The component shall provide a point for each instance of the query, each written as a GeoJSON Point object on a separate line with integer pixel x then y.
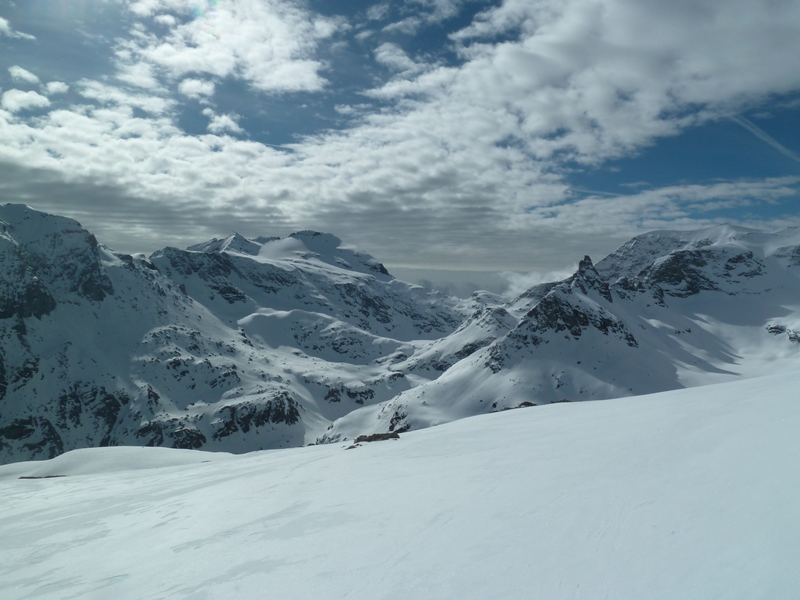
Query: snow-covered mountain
{"type": "Point", "coordinates": [242, 344]}
{"type": "Point", "coordinates": [666, 310]}
{"type": "Point", "coordinates": [232, 345]}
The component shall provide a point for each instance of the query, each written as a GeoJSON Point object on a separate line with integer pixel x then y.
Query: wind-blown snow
{"type": "Point", "coordinates": [685, 494]}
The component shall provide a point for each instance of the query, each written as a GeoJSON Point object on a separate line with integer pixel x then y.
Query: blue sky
{"type": "Point", "coordinates": [436, 134]}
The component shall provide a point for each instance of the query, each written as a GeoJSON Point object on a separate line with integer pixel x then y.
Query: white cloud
{"type": "Point", "coordinates": [580, 81]}
{"type": "Point", "coordinates": [138, 74]}
{"type": "Point", "coordinates": [409, 26]}
{"type": "Point", "coordinates": [143, 8]}
{"type": "Point", "coordinates": [17, 100]}
{"type": "Point", "coordinates": [57, 87]}
{"type": "Point", "coordinates": [363, 36]}
{"type": "Point", "coordinates": [8, 31]}
{"type": "Point", "coordinates": [108, 94]}
{"type": "Point", "coordinates": [386, 187]}
{"type": "Point", "coordinates": [20, 74]}
{"type": "Point", "coordinates": [394, 57]}
{"type": "Point", "coordinates": [425, 12]}
{"type": "Point", "coordinates": [378, 12]}
{"type": "Point", "coordinates": [167, 20]}
{"type": "Point", "coordinates": [221, 123]}
{"type": "Point", "coordinates": [463, 163]}
{"type": "Point", "coordinates": [196, 88]}
{"type": "Point", "coordinates": [680, 206]}
{"type": "Point", "coordinates": [269, 43]}
{"type": "Point", "coordinates": [350, 110]}
{"type": "Point", "coordinates": [517, 283]}
{"type": "Point", "coordinates": [437, 10]}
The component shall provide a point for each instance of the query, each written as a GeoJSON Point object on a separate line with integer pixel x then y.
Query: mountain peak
{"type": "Point", "coordinates": [233, 243]}
{"type": "Point", "coordinates": [587, 278]}
{"type": "Point", "coordinates": [43, 255]}
{"type": "Point", "coordinates": [317, 240]}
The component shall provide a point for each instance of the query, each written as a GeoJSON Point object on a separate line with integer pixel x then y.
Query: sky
{"type": "Point", "coordinates": [437, 135]}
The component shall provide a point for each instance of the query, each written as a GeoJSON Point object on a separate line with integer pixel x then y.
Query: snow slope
{"type": "Point", "coordinates": [688, 494]}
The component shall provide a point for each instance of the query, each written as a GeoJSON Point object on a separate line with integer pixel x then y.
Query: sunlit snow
{"type": "Point", "coordinates": [685, 494]}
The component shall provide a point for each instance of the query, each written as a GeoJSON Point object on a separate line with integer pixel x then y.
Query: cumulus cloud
{"type": "Point", "coordinates": [222, 123]}
{"type": "Point", "coordinates": [579, 81]}
{"type": "Point", "coordinates": [394, 57]}
{"type": "Point", "coordinates": [409, 26]}
{"type": "Point", "coordinates": [7, 31]}
{"type": "Point", "coordinates": [350, 110]}
{"type": "Point", "coordinates": [5, 27]}
{"type": "Point", "coordinates": [137, 74]}
{"type": "Point", "coordinates": [363, 36]}
{"type": "Point", "coordinates": [20, 74]}
{"type": "Point", "coordinates": [718, 55]}
{"type": "Point", "coordinates": [57, 87]}
{"type": "Point", "coordinates": [109, 94]}
{"type": "Point", "coordinates": [196, 88]}
{"type": "Point", "coordinates": [378, 12]}
{"type": "Point", "coordinates": [406, 200]}
{"type": "Point", "coordinates": [167, 20]}
{"type": "Point", "coordinates": [271, 44]}
{"type": "Point", "coordinates": [17, 100]}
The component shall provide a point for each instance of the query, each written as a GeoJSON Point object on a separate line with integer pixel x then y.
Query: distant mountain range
{"type": "Point", "coordinates": [244, 344]}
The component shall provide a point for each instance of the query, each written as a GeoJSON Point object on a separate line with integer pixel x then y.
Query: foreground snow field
{"type": "Point", "coordinates": [693, 493]}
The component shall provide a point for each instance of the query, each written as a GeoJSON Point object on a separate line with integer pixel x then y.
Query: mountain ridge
{"type": "Point", "coordinates": [240, 344]}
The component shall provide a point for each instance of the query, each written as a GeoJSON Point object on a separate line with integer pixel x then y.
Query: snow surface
{"type": "Point", "coordinates": [692, 493]}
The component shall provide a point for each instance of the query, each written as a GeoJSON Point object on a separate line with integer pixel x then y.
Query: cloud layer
{"type": "Point", "coordinates": [461, 163]}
